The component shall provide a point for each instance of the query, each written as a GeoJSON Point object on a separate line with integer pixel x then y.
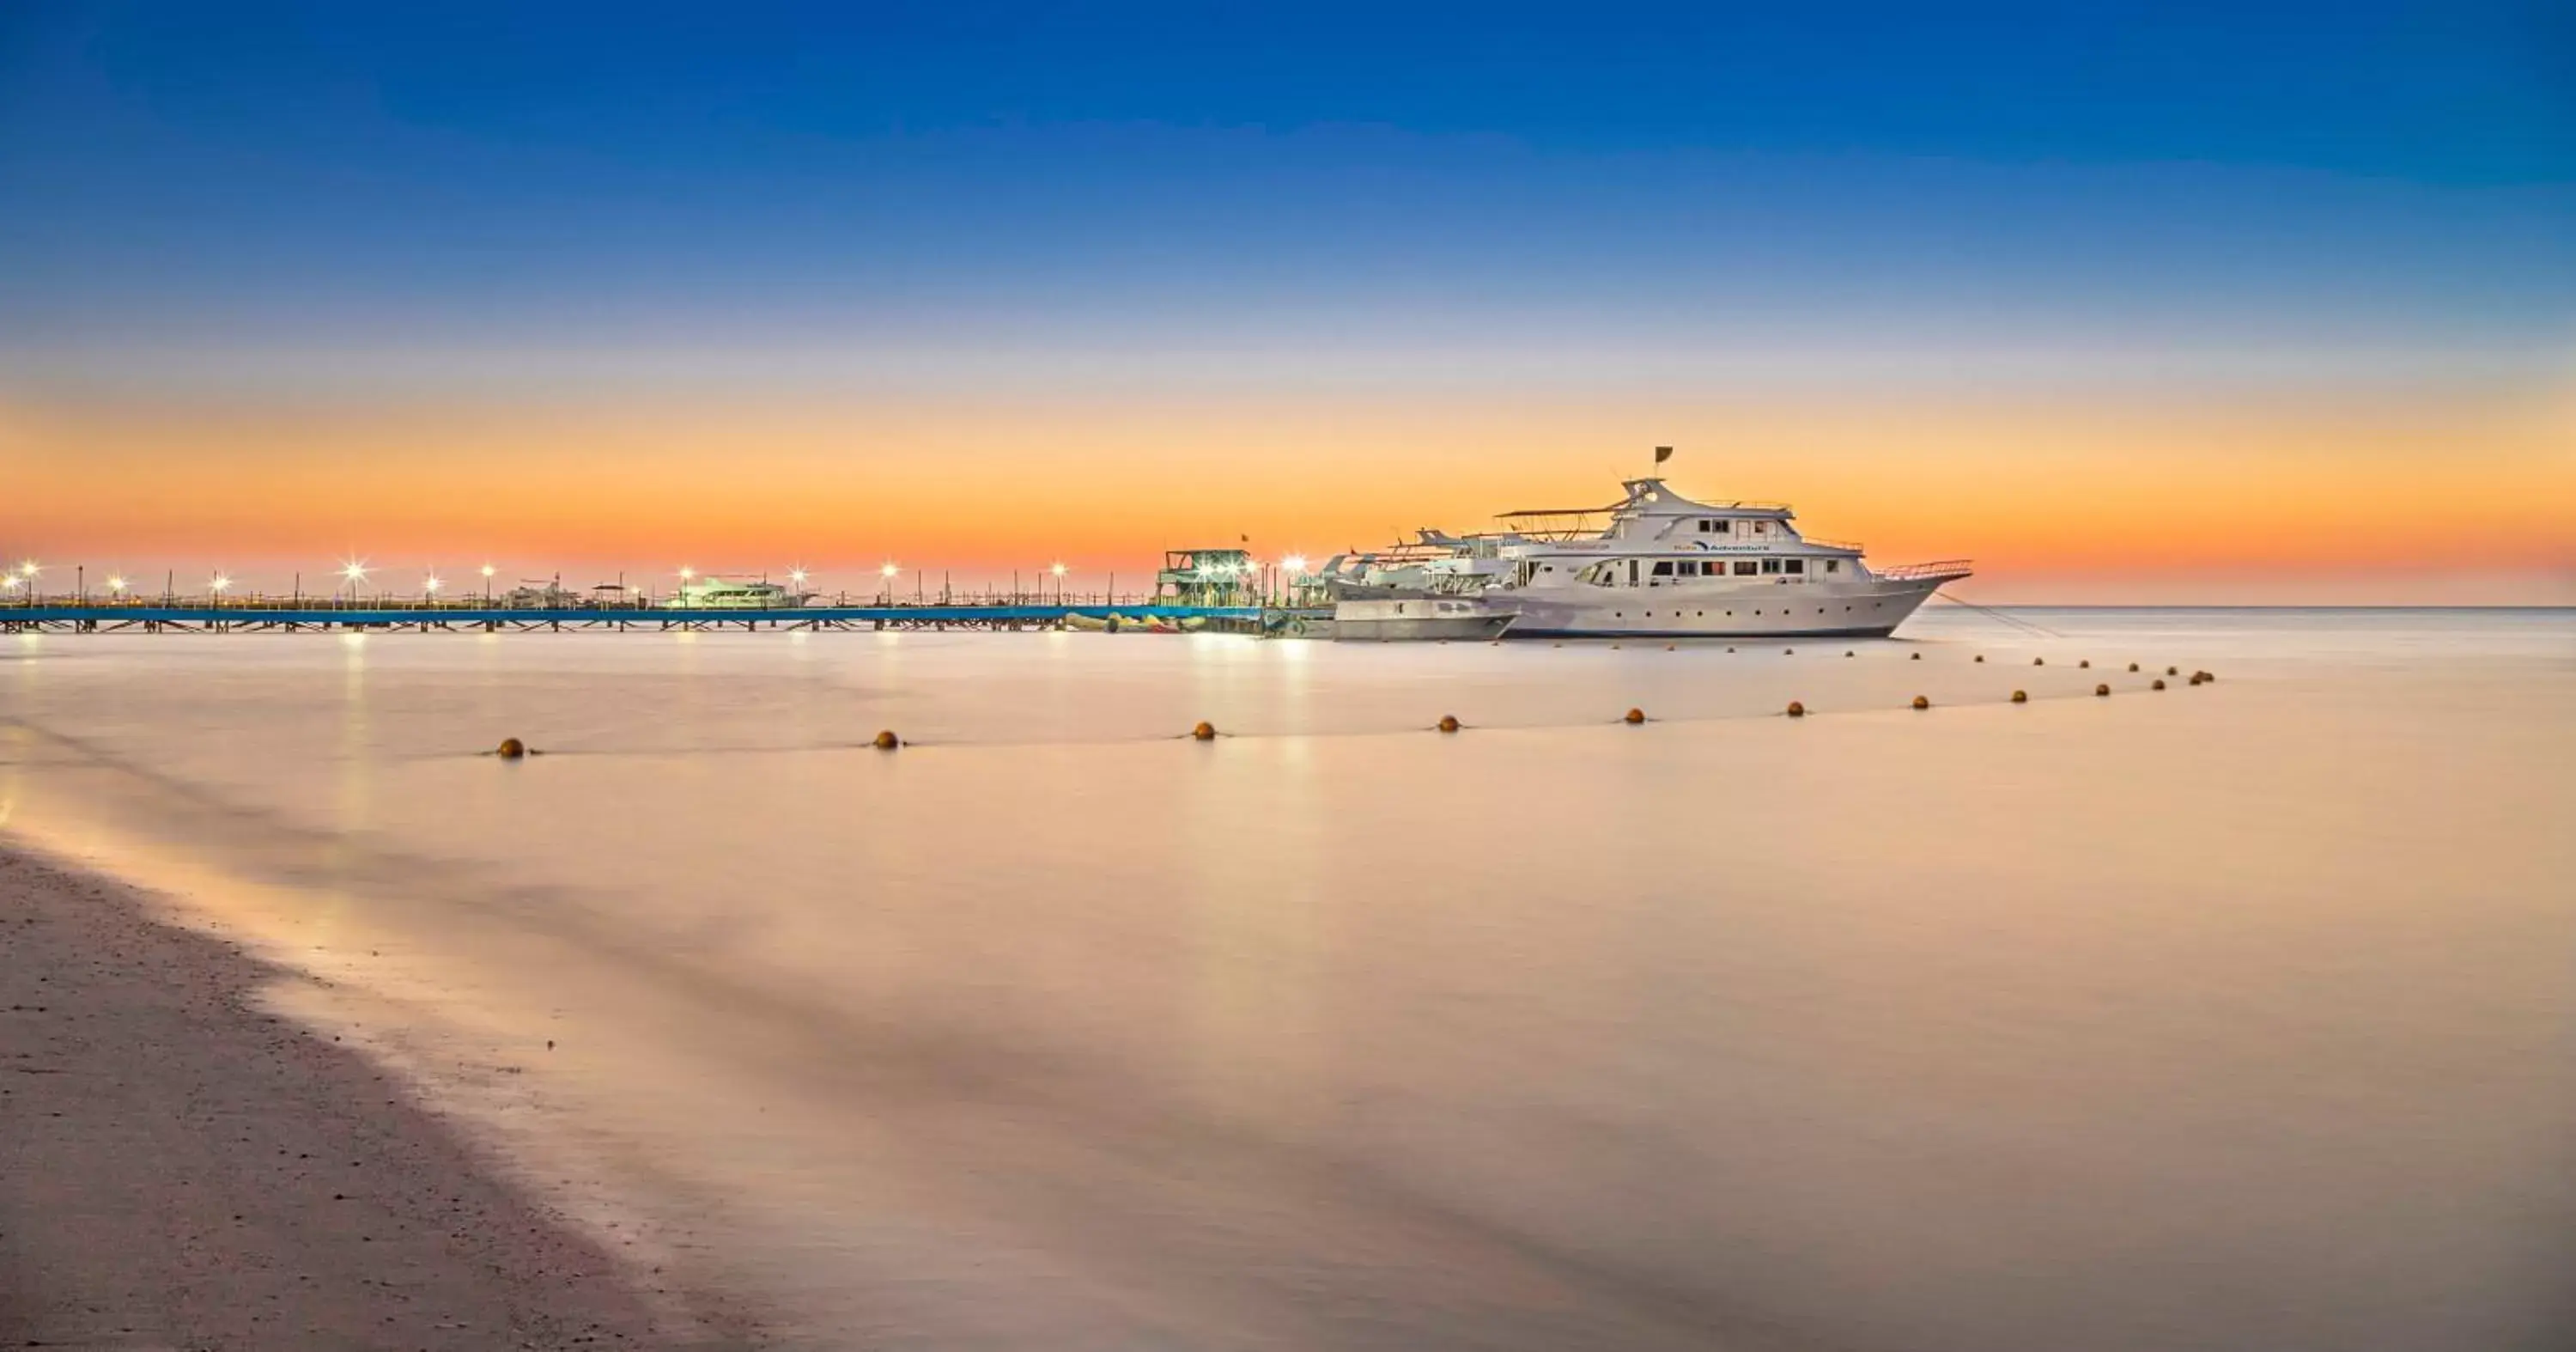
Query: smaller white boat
{"type": "Point", "coordinates": [1415, 618]}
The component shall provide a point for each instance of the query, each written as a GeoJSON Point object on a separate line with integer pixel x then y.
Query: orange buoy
{"type": "Point", "coordinates": [1847, 652]}
{"type": "Point", "coordinates": [511, 748]}
{"type": "Point", "coordinates": [886, 741]}
{"type": "Point", "coordinates": [1634, 716]}
{"type": "Point", "coordinates": [2133, 666]}
{"type": "Point", "coordinates": [1922, 703]}
{"type": "Point", "coordinates": [1916, 657]}
{"type": "Point", "coordinates": [2039, 661]}
{"type": "Point", "coordinates": [2156, 684]}
{"type": "Point", "coordinates": [1205, 732]}
{"type": "Point", "coordinates": [2102, 690]}
{"type": "Point", "coordinates": [2021, 697]}
{"type": "Point", "coordinates": [1448, 722]}
{"type": "Point", "coordinates": [2208, 675]}
{"type": "Point", "coordinates": [1668, 647]}
{"type": "Point", "coordinates": [1797, 710]}
{"type": "Point", "coordinates": [2086, 664]}
{"type": "Point", "coordinates": [2173, 671]}
{"type": "Point", "coordinates": [1786, 651]}
{"type": "Point", "coordinates": [1981, 657]}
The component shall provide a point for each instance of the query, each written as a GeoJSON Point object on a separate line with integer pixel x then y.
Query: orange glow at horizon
{"type": "Point", "coordinates": [2032, 490]}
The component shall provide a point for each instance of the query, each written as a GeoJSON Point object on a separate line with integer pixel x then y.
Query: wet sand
{"type": "Point", "coordinates": [179, 1168]}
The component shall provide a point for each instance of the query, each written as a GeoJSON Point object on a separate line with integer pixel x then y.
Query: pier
{"type": "Point", "coordinates": [250, 617]}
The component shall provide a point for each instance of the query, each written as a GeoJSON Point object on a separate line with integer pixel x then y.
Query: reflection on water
{"type": "Point", "coordinates": [2222, 1017]}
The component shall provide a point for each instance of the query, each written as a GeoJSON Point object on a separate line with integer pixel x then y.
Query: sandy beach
{"type": "Point", "coordinates": [180, 1169]}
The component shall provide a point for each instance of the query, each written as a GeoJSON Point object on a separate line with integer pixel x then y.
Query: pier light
{"type": "Point", "coordinates": [888, 571]}
{"type": "Point", "coordinates": [1058, 570]}
{"type": "Point", "coordinates": [9, 581]}
{"type": "Point", "coordinates": [796, 576]}
{"type": "Point", "coordinates": [429, 585]}
{"type": "Point", "coordinates": [28, 568]}
{"type": "Point", "coordinates": [218, 583]}
{"type": "Point", "coordinates": [355, 570]}
{"type": "Point", "coordinates": [687, 572]}
{"type": "Point", "coordinates": [116, 584]}
{"type": "Point", "coordinates": [1295, 564]}
{"type": "Point", "coordinates": [487, 570]}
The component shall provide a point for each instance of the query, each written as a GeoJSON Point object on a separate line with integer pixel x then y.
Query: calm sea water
{"type": "Point", "coordinates": [2238, 1016]}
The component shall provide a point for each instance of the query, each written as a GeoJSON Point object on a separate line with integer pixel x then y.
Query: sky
{"type": "Point", "coordinates": [2242, 303]}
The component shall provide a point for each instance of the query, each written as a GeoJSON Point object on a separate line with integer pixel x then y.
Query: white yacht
{"type": "Point", "coordinates": [1432, 563]}
{"type": "Point", "coordinates": [1656, 564]}
{"type": "Point", "coordinates": [1412, 618]}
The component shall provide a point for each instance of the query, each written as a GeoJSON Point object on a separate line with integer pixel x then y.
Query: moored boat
{"type": "Point", "coordinates": [1656, 564]}
{"type": "Point", "coordinates": [1418, 617]}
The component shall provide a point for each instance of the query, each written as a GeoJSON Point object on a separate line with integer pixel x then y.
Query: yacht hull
{"type": "Point", "coordinates": [1416, 619]}
{"type": "Point", "coordinates": [1871, 609]}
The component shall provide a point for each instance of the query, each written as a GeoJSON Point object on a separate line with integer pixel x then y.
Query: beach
{"type": "Point", "coordinates": [2218, 1015]}
{"type": "Point", "coordinates": [180, 1169]}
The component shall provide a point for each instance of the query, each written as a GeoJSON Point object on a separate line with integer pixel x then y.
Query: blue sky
{"type": "Point", "coordinates": [460, 186]}
{"type": "Point", "coordinates": [2140, 291]}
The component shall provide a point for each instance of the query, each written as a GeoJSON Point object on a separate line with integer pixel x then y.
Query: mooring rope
{"type": "Point", "coordinates": [1998, 616]}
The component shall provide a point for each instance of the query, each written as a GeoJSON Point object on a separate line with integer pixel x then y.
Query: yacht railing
{"type": "Point", "coordinates": [1906, 572]}
{"type": "Point", "coordinates": [1748, 504]}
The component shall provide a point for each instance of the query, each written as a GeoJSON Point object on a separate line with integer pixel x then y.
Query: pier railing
{"type": "Point", "coordinates": [193, 616]}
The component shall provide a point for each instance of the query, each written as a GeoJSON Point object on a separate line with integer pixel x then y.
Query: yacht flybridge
{"type": "Point", "coordinates": [1654, 564]}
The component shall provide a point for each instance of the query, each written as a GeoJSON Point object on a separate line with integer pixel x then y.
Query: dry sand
{"type": "Point", "coordinates": [180, 1169]}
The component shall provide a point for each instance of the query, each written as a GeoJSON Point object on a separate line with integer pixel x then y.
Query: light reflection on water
{"type": "Point", "coordinates": [2221, 1017]}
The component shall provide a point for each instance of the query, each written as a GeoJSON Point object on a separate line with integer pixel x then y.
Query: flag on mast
{"type": "Point", "coordinates": [1662, 454]}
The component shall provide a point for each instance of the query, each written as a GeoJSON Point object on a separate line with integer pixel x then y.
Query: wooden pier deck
{"type": "Point", "coordinates": [191, 617]}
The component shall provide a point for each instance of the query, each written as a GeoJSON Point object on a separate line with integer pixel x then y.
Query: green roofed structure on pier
{"type": "Point", "coordinates": [1207, 577]}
